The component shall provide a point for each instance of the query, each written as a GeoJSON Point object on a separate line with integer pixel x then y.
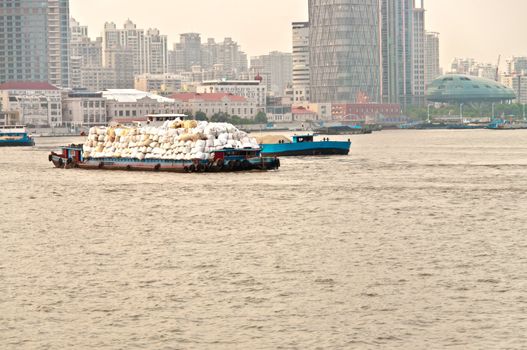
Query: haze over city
{"type": "Point", "coordinates": [263, 174]}
{"type": "Point", "coordinates": [468, 28]}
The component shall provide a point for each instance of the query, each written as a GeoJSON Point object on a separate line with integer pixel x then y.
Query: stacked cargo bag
{"type": "Point", "coordinates": [174, 140]}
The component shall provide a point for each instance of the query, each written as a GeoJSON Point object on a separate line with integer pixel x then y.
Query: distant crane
{"type": "Point", "coordinates": [498, 69]}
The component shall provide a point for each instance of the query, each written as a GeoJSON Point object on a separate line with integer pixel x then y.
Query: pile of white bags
{"type": "Point", "coordinates": [175, 140]}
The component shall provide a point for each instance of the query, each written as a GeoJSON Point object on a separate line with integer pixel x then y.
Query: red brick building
{"type": "Point", "coordinates": [363, 111]}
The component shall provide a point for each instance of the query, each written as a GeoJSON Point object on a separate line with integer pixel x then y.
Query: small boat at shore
{"type": "Point", "coordinates": [345, 130]}
{"type": "Point", "coordinates": [15, 135]}
{"type": "Point", "coordinates": [226, 160]}
{"type": "Point", "coordinates": [501, 124]}
{"type": "Point", "coordinates": [304, 145]}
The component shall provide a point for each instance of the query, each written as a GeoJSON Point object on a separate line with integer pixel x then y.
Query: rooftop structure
{"type": "Point", "coordinates": [27, 85]}
{"type": "Point", "coordinates": [132, 95]}
{"type": "Point", "coordinates": [186, 96]}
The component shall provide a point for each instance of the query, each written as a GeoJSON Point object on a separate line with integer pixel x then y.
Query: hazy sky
{"type": "Point", "coordinates": [481, 29]}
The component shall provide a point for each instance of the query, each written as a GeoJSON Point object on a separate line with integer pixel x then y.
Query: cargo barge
{"type": "Point", "coordinates": [226, 160]}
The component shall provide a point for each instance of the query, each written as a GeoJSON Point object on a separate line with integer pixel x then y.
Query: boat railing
{"type": "Point", "coordinates": [12, 127]}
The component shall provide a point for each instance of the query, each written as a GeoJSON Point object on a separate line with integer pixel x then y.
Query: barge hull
{"type": "Point", "coordinates": [16, 143]}
{"type": "Point", "coordinates": [265, 163]}
{"type": "Point", "coordinates": [309, 152]}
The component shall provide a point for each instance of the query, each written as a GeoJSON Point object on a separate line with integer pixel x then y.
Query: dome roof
{"type": "Point", "coordinates": [464, 88]}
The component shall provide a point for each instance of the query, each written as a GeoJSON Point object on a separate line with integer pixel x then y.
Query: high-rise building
{"type": "Point", "coordinates": [461, 65]}
{"type": "Point", "coordinates": [469, 66]}
{"type": "Point", "coordinates": [130, 52]}
{"type": "Point", "coordinates": [432, 69]}
{"type": "Point", "coordinates": [85, 53]}
{"type": "Point", "coordinates": [344, 40]}
{"type": "Point", "coordinates": [156, 52]}
{"type": "Point", "coordinates": [278, 65]}
{"type": "Point", "coordinates": [34, 45]}
{"type": "Point", "coordinates": [397, 50]}
{"type": "Point", "coordinates": [211, 59]}
{"type": "Point", "coordinates": [418, 79]}
{"type": "Point", "coordinates": [188, 51]}
{"type": "Point", "coordinates": [517, 65]}
{"type": "Point", "coordinates": [300, 59]}
{"type": "Point", "coordinates": [517, 82]}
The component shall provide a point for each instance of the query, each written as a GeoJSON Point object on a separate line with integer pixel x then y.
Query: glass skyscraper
{"type": "Point", "coordinates": [344, 41]}
{"type": "Point", "coordinates": [34, 41]}
{"type": "Point", "coordinates": [397, 28]}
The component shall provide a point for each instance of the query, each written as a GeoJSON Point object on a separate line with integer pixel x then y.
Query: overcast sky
{"type": "Point", "coordinates": [481, 29]}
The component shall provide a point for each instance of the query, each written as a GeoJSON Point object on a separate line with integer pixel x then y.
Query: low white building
{"type": "Point", "coordinates": [253, 90]}
{"type": "Point", "coordinates": [36, 103]}
{"type": "Point", "coordinates": [280, 117]}
{"type": "Point", "coordinates": [213, 103]}
{"type": "Point", "coordinates": [135, 103]}
{"type": "Point", "coordinates": [82, 108]}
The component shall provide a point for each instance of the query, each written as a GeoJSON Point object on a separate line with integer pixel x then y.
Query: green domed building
{"type": "Point", "coordinates": [457, 88]}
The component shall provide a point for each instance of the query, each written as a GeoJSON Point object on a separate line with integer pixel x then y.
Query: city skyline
{"type": "Point", "coordinates": [463, 24]}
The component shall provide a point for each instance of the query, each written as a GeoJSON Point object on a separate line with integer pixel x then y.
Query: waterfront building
{"type": "Point", "coordinates": [278, 67]}
{"type": "Point", "coordinates": [253, 90]}
{"type": "Point", "coordinates": [323, 110]}
{"type": "Point", "coordinates": [344, 44]}
{"type": "Point", "coordinates": [83, 108]}
{"type": "Point", "coordinates": [302, 114]}
{"type": "Point", "coordinates": [212, 103]}
{"type": "Point", "coordinates": [362, 111]}
{"type": "Point", "coordinates": [135, 103]}
{"type": "Point", "coordinates": [9, 118]}
{"type": "Point", "coordinates": [279, 117]}
{"type": "Point", "coordinates": [432, 68]}
{"type": "Point", "coordinates": [300, 58]}
{"type": "Point", "coordinates": [34, 44]}
{"type": "Point", "coordinates": [36, 103]}
{"type": "Point", "coordinates": [159, 83]}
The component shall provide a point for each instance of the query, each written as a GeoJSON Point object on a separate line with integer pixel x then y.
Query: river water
{"type": "Point", "coordinates": [416, 240]}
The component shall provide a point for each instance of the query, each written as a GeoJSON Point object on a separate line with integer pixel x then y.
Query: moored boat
{"type": "Point", "coordinates": [345, 130]}
{"type": "Point", "coordinates": [304, 145]}
{"type": "Point", "coordinates": [501, 124]}
{"type": "Point", "coordinates": [15, 135]}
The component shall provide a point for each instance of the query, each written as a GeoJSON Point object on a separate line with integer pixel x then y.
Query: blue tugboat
{"type": "Point", "coordinates": [304, 145]}
{"type": "Point", "coordinates": [16, 135]}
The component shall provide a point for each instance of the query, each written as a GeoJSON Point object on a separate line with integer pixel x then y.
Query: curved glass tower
{"type": "Point", "coordinates": [344, 44]}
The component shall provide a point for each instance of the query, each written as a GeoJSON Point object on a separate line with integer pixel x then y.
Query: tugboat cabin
{"type": "Point", "coordinates": [72, 153]}
{"type": "Point", "coordinates": [302, 138]}
{"type": "Point", "coordinates": [237, 153]}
